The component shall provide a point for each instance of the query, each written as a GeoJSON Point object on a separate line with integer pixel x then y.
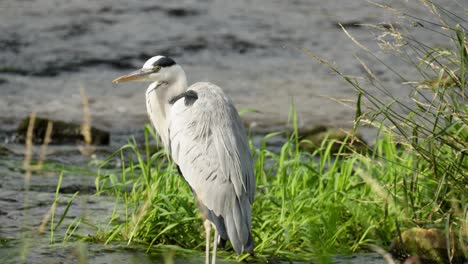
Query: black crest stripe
{"type": "Point", "coordinates": [164, 62]}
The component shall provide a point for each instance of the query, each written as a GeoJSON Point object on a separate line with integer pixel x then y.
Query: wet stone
{"type": "Point", "coordinates": [4, 151]}
{"type": "Point", "coordinates": [13, 70]}
{"type": "Point", "coordinates": [181, 12]}
{"type": "Point", "coordinates": [62, 132]}
{"type": "Point", "coordinates": [419, 245]}
{"type": "Point", "coordinates": [312, 139]}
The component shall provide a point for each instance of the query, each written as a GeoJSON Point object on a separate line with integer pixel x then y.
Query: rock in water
{"type": "Point", "coordinates": [426, 246]}
{"type": "Point", "coordinates": [62, 132]}
{"type": "Point", "coordinates": [312, 139]}
{"type": "Point", "coordinates": [4, 151]}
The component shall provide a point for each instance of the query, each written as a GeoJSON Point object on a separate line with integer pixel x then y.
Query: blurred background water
{"type": "Point", "coordinates": [252, 49]}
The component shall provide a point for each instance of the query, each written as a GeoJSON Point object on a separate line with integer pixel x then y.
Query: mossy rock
{"type": "Point", "coordinates": [4, 151]}
{"type": "Point", "coordinates": [62, 132]}
{"type": "Point", "coordinates": [427, 246]}
{"type": "Point", "coordinates": [312, 139]}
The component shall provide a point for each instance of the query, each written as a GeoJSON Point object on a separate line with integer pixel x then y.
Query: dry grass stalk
{"type": "Point", "coordinates": [385, 255]}
{"type": "Point", "coordinates": [371, 75]}
{"type": "Point", "coordinates": [391, 40]}
{"type": "Point", "coordinates": [378, 189]}
{"type": "Point", "coordinates": [139, 216]}
{"type": "Point", "coordinates": [45, 144]}
{"type": "Point", "coordinates": [87, 149]}
{"type": "Point", "coordinates": [29, 150]}
{"type": "Point", "coordinates": [86, 125]}
{"type": "Point", "coordinates": [354, 39]}
{"type": "Point", "coordinates": [46, 219]}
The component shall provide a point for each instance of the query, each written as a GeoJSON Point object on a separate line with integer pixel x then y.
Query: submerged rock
{"type": "Point", "coordinates": [418, 245]}
{"type": "Point", "coordinates": [312, 139]}
{"type": "Point", "coordinates": [181, 12]}
{"type": "Point", "coordinates": [4, 151]}
{"type": "Point", "coordinates": [349, 24]}
{"type": "Point", "coordinates": [62, 132]}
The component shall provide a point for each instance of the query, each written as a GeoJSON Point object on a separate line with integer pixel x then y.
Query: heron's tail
{"type": "Point", "coordinates": [249, 247]}
{"type": "Point", "coordinates": [238, 226]}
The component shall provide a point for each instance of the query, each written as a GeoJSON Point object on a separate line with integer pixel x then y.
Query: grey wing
{"type": "Point", "coordinates": [209, 144]}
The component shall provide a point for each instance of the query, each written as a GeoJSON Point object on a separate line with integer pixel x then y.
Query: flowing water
{"type": "Point", "coordinates": [252, 49]}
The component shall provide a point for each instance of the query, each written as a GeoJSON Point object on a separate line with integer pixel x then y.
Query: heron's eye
{"type": "Point", "coordinates": [156, 68]}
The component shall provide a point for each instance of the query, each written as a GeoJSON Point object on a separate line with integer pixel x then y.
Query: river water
{"type": "Point", "coordinates": [252, 49]}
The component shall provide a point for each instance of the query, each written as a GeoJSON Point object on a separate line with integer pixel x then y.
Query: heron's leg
{"type": "Point", "coordinates": [207, 225]}
{"type": "Point", "coordinates": [215, 245]}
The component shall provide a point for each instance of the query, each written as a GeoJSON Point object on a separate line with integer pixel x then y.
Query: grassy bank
{"type": "Point", "coordinates": [323, 203]}
{"type": "Point", "coordinates": [307, 204]}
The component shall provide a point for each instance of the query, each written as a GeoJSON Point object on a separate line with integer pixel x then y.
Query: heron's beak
{"type": "Point", "coordinates": [133, 76]}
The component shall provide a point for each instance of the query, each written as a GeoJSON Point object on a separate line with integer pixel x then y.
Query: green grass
{"type": "Point", "coordinates": [307, 204]}
{"type": "Point", "coordinates": [433, 129]}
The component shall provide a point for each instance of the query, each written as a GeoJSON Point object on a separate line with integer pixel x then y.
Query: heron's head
{"type": "Point", "coordinates": [156, 69]}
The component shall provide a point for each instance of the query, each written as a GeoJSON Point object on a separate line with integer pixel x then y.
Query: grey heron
{"type": "Point", "coordinates": [201, 129]}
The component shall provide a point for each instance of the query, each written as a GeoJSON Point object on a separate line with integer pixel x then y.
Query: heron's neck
{"type": "Point", "coordinates": [158, 107]}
